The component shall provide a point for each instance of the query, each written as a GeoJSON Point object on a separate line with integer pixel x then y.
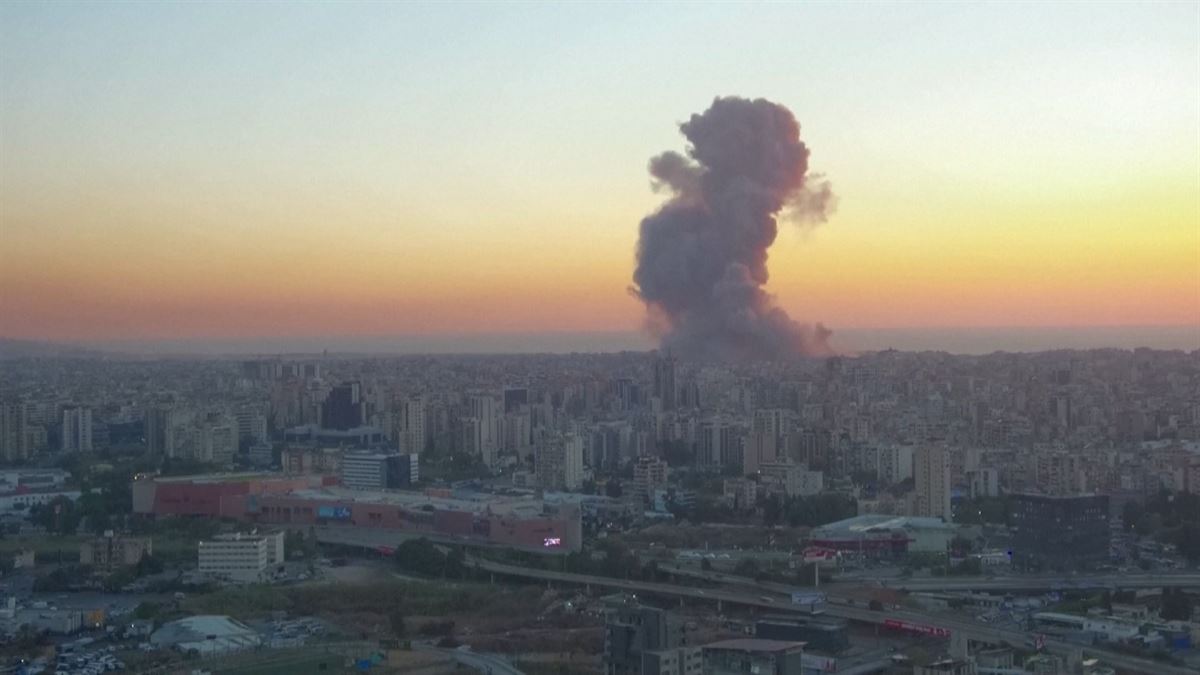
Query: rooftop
{"type": "Point", "coordinates": [756, 645]}
{"type": "Point", "coordinates": [217, 631]}
{"type": "Point", "coordinates": [881, 522]}
{"type": "Point", "coordinates": [475, 503]}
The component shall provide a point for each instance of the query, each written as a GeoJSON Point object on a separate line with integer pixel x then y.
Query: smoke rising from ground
{"type": "Point", "coordinates": [702, 257]}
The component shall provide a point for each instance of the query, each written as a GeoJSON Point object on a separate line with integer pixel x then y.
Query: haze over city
{"type": "Point", "coordinates": [599, 338]}
{"type": "Point", "coordinates": [186, 176]}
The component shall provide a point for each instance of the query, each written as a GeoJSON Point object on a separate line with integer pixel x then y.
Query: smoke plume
{"type": "Point", "coordinates": [702, 257]}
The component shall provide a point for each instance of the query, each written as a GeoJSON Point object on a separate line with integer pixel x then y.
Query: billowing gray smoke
{"type": "Point", "coordinates": [702, 257]}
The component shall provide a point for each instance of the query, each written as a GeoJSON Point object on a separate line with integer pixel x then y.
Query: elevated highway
{"type": "Point", "coordinates": [1033, 584]}
{"type": "Point", "coordinates": [774, 600]}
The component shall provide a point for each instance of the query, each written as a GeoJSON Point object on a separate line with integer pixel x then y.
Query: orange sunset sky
{"type": "Point", "coordinates": [218, 171]}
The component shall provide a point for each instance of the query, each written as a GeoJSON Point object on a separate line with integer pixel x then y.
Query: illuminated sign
{"type": "Point", "coordinates": [334, 512]}
{"type": "Point", "coordinates": [552, 542]}
{"type": "Point", "coordinates": [936, 631]}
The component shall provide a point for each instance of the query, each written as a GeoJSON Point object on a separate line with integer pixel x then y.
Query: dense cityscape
{"type": "Point", "coordinates": [622, 513]}
{"type": "Point", "coordinates": [599, 338]}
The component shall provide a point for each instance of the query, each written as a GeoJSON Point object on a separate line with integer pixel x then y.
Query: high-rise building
{"type": "Point", "coordinates": [664, 380]}
{"type": "Point", "coordinates": [219, 444]}
{"type": "Point", "coordinates": [515, 398]}
{"type": "Point", "coordinates": [984, 482]}
{"type": "Point", "coordinates": [251, 426]}
{"type": "Point", "coordinates": [157, 428]}
{"type": "Point", "coordinates": [559, 462]}
{"type": "Point", "coordinates": [14, 432]}
{"type": "Point", "coordinates": [649, 474]}
{"type": "Point", "coordinates": [719, 443]}
{"type": "Point", "coordinates": [485, 411]}
{"type": "Point", "coordinates": [895, 463]}
{"type": "Point", "coordinates": [516, 433]}
{"type": "Point", "coordinates": [343, 408]}
{"type": "Point", "coordinates": [1059, 533]}
{"type": "Point", "coordinates": [931, 470]}
{"type": "Point", "coordinates": [413, 435]}
{"type": "Point", "coordinates": [77, 429]}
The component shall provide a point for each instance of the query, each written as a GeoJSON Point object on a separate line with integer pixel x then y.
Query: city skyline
{"type": "Point", "coordinates": [210, 173]}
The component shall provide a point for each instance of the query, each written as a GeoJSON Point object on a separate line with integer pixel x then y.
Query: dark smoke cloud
{"type": "Point", "coordinates": [702, 257]}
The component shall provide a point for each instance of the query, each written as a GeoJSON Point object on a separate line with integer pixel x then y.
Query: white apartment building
{"type": "Point", "coordinates": [77, 429]}
{"type": "Point", "coordinates": [241, 558]}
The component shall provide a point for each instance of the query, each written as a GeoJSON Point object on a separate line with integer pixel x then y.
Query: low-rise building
{"type": "Point", "coordinates": [631, 631]}
{"type": "Point", "coordinates": [379, 471]}
{"type": "Point", "coordinates": [243, 558]}
{"type": "Point", "coordinates": [946, 667]}
{"type": "Point", "coordinates": [111, 551]}
{"type": "Point", "coordinates": [793, 480]}
{"type": "Point", "coordinates": [754, 655]}
{"type": "Point", "coordinates": [206, 635]}
{"type": "Point", "coordinates": [884, 535]}
{"type": "Point", "coordinates": [24, 559]}
{"type": "Point", "coordinates": [678, 661]}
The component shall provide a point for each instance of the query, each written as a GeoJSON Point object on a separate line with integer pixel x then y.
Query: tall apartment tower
{"type": "Point", "coordinates": [412, 426]}
{"type": "Point", "coordinates": [559, 462]}
{"type": "Point", "coordinates": [931, 471]}
{"type": "Point", "coordinates": [343, 407]}
{"type": "Point", "coordinates": [77, 429]}
{"type": "Point", "coordinates": [485, 409]}
{"type": "Point", "coordinates": [14, 436]}
{"type": "Point", "coordinates": [664, 380]}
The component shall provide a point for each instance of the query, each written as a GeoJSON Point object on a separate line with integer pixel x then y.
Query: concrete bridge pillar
{"type": "Point", "coordinates": [959, 645]}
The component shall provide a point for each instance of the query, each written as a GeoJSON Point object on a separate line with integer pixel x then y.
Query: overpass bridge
{"type": "Point", "coordinates": [950, 584]}
{"type": "Point", "coordinates": [774, 597]}
{"type": "Point", "coordinates": [921, 622]}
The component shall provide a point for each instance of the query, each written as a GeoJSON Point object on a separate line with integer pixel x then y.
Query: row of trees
{"type": "Point", "coordinates": [808, 511]}
{"type": "Point", "coordinates": [423, 557]}
{"type": "Point", "coordinates": [1170, 517]}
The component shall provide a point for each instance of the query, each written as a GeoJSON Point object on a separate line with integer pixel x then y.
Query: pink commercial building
{"type": "Point", "coordinates": [523, 522]}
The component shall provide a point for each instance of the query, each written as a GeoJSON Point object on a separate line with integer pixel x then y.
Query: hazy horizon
{"type": "Point", "coordinates": [178, 170]}
{"type": "Point", "coordinates": [959, 340]}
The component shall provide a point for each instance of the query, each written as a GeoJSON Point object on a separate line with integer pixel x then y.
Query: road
{"type": "Point", "coordinates": [489, 664]}
{"type": "Point", "coordinates": [769, 598]}
{"type": "Point", "coordinates": [1124, 581]}
{"type": "Point", "coordinates": [775, 597]}
{"type": "Point", "coordinates": [1034, 584]}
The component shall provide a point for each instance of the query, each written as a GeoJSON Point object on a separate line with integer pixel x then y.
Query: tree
{"type": "Point", "coordinates": [456, 564]}
{"type": "Point", "coordinates": [147, 610]}
{"type": "Point", "coordinates": [746, 567]}
{"type": "Point", "coordinates": [396, 621]}
{"type": "Point", "coordinates": [806, 574]}
{"type": "Point", "coordinates": [421, 557]}
{"type": "Point", "coordinates": [960, 545]}
{"type": "Point", "coordinates": [1176, 605]}
{"type": "Point", "coordinates": [613, 488]}
{"type": "Point", "coordinates": [149, 565]}
{"type": "Point", "coordinates": [59, 516]}
{"type": "Point", "coordinates": [772, 510]}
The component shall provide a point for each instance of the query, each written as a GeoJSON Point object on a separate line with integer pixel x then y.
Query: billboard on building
{"type": "Point", "coordinates": [334, 512]}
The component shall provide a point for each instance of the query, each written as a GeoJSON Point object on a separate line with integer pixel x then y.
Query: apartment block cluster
{"type": "Point", "coordinates": [939, 426]}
